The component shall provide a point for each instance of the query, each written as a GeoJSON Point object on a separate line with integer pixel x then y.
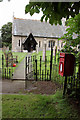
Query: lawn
{"type": "Point", "coordinates": [37, 106]}
{"type": "Point", "coordinates": [20, 55]}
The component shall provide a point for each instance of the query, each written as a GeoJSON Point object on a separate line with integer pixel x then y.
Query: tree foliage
{"type": "Point", "coordinates": [72, 30]}
{"type": "Point", "coordinates": [6, 34]}
{"type": "Point", "coordinates": [53, 11]}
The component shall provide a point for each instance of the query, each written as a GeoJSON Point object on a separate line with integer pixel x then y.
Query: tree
{"type": "Point", "coordinates": [53, 11]}
{"type": "Point", "coordinates": [6, 34]}
{"type": "Point", "coordinates": [72, 30]}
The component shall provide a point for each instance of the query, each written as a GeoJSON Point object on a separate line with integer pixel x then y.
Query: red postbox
{"type": "Point", "coordinates": [66, 64]}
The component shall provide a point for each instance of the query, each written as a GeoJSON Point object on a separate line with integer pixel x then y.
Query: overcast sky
{"type": "Point", "coordinates": [17, 7]}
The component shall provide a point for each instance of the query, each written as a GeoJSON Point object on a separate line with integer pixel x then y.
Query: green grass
{"type": "Point", "coordinates": [20, 55]}
{"type": "Point", "coordinates": [37, 106]}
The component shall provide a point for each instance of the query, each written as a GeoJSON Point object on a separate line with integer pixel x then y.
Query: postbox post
{"type": "Point", "coordinates": [65, 85]}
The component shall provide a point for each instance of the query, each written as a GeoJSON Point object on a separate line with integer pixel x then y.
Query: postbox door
{"type": "Point", "coordinates": [61, 64]}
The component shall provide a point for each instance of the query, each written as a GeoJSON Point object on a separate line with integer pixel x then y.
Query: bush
{"type": "Point", "coordinates": [10, 46]}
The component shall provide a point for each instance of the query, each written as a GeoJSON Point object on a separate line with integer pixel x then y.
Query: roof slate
{"type": "Point", "coordinates": [24, 27]}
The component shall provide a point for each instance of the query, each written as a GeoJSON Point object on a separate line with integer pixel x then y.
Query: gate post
{"type": "Point", "coordinates": [40, 66]}
{"type": "Point", "coordinates": [2, 66]}
{"type": "Point", "coordinates": [36, 68]}
{"type": "Point", "coordinates": [26, 73]}
{"type": "Point", "coordinates": [51, 61]}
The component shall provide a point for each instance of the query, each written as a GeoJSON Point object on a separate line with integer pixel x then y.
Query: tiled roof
{"type": "Point", "coordinates": [41, 29]}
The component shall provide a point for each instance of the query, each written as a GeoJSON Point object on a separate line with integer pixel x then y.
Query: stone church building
{"type": "Point", "coordinates": [42, 32]}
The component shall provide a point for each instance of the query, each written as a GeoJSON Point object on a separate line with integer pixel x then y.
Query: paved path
{"type": "Point", "coordinates": [19, 73]}
{"type": "Point", "coordinates": [16, 86]}
{"type": "Point", "coordinates": [9, 86]}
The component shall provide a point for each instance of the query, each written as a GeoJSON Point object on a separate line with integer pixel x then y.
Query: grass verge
{"type": "Point", "coordinates": [37, 106]}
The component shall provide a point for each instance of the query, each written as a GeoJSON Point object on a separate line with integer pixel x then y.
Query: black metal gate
{"type": "Point", "coordinates": [29, 70]}
{"type": "Point", "coordinates": [37, 69]}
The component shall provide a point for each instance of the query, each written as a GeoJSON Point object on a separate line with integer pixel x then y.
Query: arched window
{"type": "Point", "coordinates": [51, 43]}
{"type": "Point", "coordinates": [39, 43]}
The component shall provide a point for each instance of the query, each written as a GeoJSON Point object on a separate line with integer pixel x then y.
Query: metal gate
{"type": "Point", "coordinates": [39, 69]}
{"type": "Point", "coordinates": [29, 69]}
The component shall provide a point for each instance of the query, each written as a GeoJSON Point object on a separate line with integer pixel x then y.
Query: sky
{"type": "Point", "coordinates": [16, 8]}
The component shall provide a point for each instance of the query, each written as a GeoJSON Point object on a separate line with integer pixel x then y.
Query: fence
{"type": "Point", "coordinates": [73, 85]}
{"type": "Point", "coordinates": [39, 69]}
{"type": "Point", "coordinates": [49, 70]}
{"type": "Point", "coordinates": [73, 82]}
{"type": "Point", "coordinates": [6, 69]}
{"type": "Point", "coordinates": [7, 65]}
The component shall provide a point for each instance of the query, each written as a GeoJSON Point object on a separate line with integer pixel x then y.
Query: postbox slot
{"type": "Point", "coordinates": [62, 56]}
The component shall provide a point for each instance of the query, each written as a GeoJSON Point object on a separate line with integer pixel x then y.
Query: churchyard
{"type": "Point", "coordinates": [39, 104]}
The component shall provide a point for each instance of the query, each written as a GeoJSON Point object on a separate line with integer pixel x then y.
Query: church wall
{"type": "Point", "coordinates": [42, 41]}
{"type": "Point", "coordinates": [16, 46]}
